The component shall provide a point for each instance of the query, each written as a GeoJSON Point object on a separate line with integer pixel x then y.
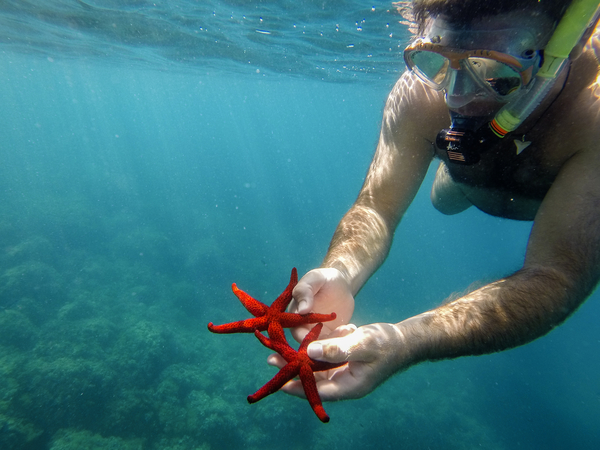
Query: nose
{"type": "Point", "coordinates": [461, 88]}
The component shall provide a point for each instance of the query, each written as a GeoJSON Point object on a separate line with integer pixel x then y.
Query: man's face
{"type": "Point", "coordinates": [467, 85]}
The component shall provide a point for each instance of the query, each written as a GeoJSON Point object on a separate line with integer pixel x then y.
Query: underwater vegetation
{"type": "Point", "coordinates": [103, 344]}
{"type": "Point", "coordinates": [89, 345]}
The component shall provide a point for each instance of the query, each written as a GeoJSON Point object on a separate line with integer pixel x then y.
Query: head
{"type": "Point", "coordinates": [462, 12]}
{"type": "Point", "coordinates": [491, 49]}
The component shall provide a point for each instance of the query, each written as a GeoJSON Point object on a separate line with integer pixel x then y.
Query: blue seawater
{"type": "Point", "coordinates": [154, 152]}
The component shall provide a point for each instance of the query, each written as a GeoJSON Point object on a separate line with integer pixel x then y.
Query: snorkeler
{"type": "Point", "coordinates": [506, 95]}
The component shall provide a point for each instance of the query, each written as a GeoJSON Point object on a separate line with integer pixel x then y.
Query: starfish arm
{"type": "Point", "coordinates": [315, 318]}
{"type": "Point", "coordinates": [253, 306]}
{"type": "Point", "coordinates": [241, 326]}
{"type": "Point", "coordinates": [275, 331]}
{"type": "Point", "coordinates": [312, 335]}
{"type": "Point", "coordinates": [286, 296]}
{"type": "Point", "coordinates": [288, 372]}
{"type": "Point", "coordinates": [287, 352]}
{"type": "Point", "coordinates": [278, 342]}
{"type": "Point", "coordinates": [264, 340]}
{"type": "Point", "coordinates": [289, 320]}
{"type": "Point", "coordinates": [312, 394]}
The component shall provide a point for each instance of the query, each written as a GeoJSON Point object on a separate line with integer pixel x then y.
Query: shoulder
{"type": "Point", "coordinates": [575, 115]}
{"type": "Point", "coordinates": [593, 45]}
{"type": "Point", "coordinates": [587, 73]}
{"type": "Point", "coordinates": [571, 124]}
{"type": "Point", "coordinates": [409, 90]}
{"type": "Point", "coordinates": [411, 103]}
{"type": "Point", "coordinates": [590, 65]}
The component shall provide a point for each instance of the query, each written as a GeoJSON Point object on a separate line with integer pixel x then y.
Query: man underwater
{"type": "Point", "coordinates": [516, 127]}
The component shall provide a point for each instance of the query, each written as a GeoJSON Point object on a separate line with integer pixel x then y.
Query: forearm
{"type": "Point", "coordinates": [359, 245]}
{"type": "Point", "coordinates": [411, 119]}
{"type": "Point", "coordinates": [502, 315]}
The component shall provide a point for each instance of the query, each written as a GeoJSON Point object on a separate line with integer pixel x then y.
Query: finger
{"type": "Point", "coordinates": [349, 382]}
{"type": "Point", "coordinates": [305, 290]}
{"type": "Point", "coordinates": [295, 388]}
{"type": "Point", "coordinates": [341, 331]}
{"type": "Point", "coordinates": [276, 360]}
{"type": "Point", "coordinates": [300, 331]}
{"type": "Point", "coordinates": [346, 348]}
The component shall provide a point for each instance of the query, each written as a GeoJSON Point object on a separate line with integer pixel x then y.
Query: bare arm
{"type": "Point", "coordinates": [561, 268]}
{"type": "Point", "coordinates": [411, 118]}
{"type": "Point", "coordinates": [562, 264]}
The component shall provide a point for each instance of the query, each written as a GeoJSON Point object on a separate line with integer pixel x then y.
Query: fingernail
{"type": "Point", "coordinates": [315, 350]}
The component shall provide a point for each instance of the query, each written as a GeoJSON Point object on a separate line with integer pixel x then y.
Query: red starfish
{"type": "Point", "coordinates": [264, 315]}
{"type": "Point", "coordinates": [298, 363]}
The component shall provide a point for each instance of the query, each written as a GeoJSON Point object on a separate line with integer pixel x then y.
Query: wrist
{"type": "Point", "coordinates": [351, 274]}
{"type": "Point", "coordinates": [339, 266]}
{"type": "Point", "coordinates": [415, 337]}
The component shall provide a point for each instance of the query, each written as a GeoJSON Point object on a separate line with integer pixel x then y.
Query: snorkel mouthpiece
{"type": "Point", "coordinates": [459, 144]}
{"type": "Point", "coordinates": [466, 139]}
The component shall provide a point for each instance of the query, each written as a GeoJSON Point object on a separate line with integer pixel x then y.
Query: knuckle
{"type": "Point", "coordinates": [334, 353]}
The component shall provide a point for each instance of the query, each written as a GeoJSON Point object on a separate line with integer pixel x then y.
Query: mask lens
{"type": "Point", "coordinates": [430, 67]}
{"type": "Point", "coordinates": [500, 77]}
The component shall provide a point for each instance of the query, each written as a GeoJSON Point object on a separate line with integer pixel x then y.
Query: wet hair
{"type": "Point", "coordinates": [462, 12]}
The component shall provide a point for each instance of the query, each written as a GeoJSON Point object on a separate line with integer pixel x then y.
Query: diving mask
{"type": "Point", "coordinates": [465, 140]}
{"type": "Point", "coordinates": [500, 74]}
{"type": "Point", "coordinates": [500, 61]}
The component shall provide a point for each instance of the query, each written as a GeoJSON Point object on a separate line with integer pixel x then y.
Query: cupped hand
{"type": "Point", "coordinates": [322, 291]}
{"type": "Point", "coordinates": [374, 353]}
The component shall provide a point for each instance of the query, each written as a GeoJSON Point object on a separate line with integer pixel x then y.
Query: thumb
{"type": "Point", "coordinates": [305, 290]}
{"type": "Point", "coordinates": [334, 350]}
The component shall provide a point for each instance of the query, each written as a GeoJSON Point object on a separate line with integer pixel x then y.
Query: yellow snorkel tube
{"type": "Point", "coordinates": [578, 17]}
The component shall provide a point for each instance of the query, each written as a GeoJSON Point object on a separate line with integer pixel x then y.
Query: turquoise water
{"type": "Point", "coordinates": [143, 169]}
